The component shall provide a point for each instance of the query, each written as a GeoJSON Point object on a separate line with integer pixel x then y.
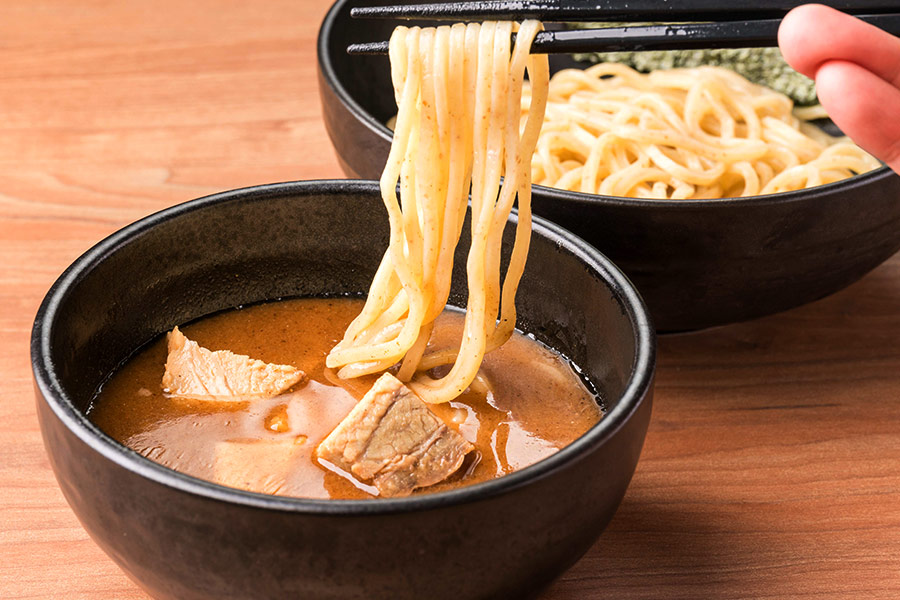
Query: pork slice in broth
{"type": "Point", "coordinates": [392, 440]}
{"type": "Point", "coordinates": [197, 373]}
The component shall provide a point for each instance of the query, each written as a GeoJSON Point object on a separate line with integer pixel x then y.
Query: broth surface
{"type": "Point", "coordinates": [537, 404]}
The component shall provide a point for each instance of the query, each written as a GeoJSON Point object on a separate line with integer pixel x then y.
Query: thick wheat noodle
{"type": "Point", "coordinates": [682, 133]}
{"type": "Point", "coordinates": [459, 93]}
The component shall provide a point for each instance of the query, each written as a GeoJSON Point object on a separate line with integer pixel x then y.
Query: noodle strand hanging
{"type": "Point", "coordinates": [459, 93]}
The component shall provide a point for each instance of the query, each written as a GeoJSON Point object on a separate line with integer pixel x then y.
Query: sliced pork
{"type": "Point", "coordinates": [201, 374]}
{"type": "Point", "coordinates": [392, 440]}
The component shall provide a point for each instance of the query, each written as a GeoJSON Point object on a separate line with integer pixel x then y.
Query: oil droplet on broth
{"type": "Point", "coordinates": [277, 419]}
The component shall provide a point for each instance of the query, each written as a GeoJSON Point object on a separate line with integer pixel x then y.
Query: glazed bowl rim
{"type": "Point", "coordinates": [582, 198]}
{"type": "Point", "coordinates": [51, 390]}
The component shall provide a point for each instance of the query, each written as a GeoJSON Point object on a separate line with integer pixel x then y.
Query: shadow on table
{"type": "Point", "coordinates": [649, 551]}
{"type": "Point", "coordinates": [857, 325]}
{"type": "Point", "coordinates": [744, 486]}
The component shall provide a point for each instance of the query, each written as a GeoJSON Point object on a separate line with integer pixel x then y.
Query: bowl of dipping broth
{"type": "Point", "coordinates": [190, 519]}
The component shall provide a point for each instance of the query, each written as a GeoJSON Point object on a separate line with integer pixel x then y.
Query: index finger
{"type": "Point", "coordinates": [813, 34]}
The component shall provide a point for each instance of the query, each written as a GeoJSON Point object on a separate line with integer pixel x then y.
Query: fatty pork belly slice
{"type": "Point", "coordinates": [392, 440]}
{"type": "Point", "coordinates": [197, 373]}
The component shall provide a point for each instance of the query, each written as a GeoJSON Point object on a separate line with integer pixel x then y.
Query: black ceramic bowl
{"type": "Point", "coordinates": [696, 263]}
{"type": "Point", "coordinates": [181, 538]}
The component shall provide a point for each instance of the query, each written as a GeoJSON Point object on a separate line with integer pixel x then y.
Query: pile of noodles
{"type": "Point", "coordinates": [703, 132]}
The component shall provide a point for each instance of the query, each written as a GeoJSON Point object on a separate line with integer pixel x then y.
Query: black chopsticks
{"type": "Point", "coordinates": [713, 23]}
{"type": "Point", "coordinates": [725, 34]}
{"type": "Point", "coordinates": [613, 10]}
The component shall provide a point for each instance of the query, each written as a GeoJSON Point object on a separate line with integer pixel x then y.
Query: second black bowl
{"type": "Point", "coordinates": [696, 263]}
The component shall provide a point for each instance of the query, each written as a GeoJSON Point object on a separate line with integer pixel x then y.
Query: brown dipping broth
{"type": "Point", "coordinates": [537, 405]}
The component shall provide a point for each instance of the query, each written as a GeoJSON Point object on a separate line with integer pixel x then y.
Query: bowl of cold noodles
{"type": "Point", "coordinates": [198, 432]}
{"type": "Point", "coordinates": [721, 198]}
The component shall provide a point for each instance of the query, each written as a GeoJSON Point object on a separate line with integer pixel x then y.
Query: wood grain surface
{"type": "Point", "coordinates": [772, 466]}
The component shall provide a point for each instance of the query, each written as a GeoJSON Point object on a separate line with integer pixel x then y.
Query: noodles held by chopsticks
{"type": "Point", "coordinates": [459, 93]}
{"type": "Point", "coordinates": [703, 132]}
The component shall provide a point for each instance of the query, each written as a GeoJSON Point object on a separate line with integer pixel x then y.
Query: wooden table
{"type": "Point", "coordinates": [772, 466]}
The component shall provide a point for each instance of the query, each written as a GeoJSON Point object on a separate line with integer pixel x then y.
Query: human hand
{"type": "Point", "coordinates": [857, 71]}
